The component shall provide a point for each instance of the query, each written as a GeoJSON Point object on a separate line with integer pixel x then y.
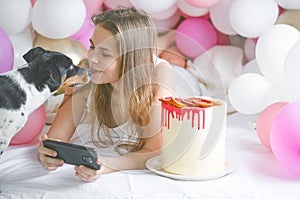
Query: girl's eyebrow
{"type": "Point", "coordinates": [91, 41]}
{"type": "Point", "coordinates": [102, 48]}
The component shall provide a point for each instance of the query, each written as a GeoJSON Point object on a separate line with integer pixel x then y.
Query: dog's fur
{"type": "Point", "coordinates": [25, 89]}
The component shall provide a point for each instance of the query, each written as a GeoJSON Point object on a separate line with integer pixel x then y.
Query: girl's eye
{"type": "Point", "coordinates": [92, 47]}
{"type": "Point", "coordinates": [106, 55]}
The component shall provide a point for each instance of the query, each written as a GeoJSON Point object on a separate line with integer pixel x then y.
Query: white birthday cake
{"type": "Point", "coordinates": [193, 136]}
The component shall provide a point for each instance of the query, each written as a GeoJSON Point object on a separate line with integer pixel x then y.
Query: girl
{"type": "Point", "coordinates": [123, 108]}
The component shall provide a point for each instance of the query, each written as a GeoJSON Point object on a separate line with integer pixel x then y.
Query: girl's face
{"type": "Point", "coordinates": [103, 57]}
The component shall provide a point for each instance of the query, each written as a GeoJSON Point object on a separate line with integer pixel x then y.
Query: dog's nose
{"type": "Point", "coordinates": [89, 72]}
{"type": "Point", "coordinates": [84, 71]}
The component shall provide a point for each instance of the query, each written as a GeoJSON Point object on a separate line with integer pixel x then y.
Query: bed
{"type": "Point", "coordinates": [256, 175]}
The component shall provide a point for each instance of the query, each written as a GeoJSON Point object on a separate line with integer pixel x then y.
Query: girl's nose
{"type": "Point", "coordinates": [92, 58]}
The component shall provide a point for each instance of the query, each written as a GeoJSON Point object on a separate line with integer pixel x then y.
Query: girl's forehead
{"type": "Point", "coordinates": [103, 37]}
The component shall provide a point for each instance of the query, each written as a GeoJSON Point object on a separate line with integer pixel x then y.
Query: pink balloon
{"type": "Point", "coordinates": [265, 120]}
{"type": "Point", "coordinates": [285, 137]}
{"type": "Point", "coordinates": [93, 6]}
{"type": "Point", "coordinates": [202, 3]}
{"type": "Point", "coordinates": [6, 52]}
{"type": "Point", "coordinates": [194, 36]}
{"type": "Point", "coordinates": [115, 4]}
{"type": "Point", "coordinates": [85, 32]}
{"type": "Point", "coordinates": [32, 128]}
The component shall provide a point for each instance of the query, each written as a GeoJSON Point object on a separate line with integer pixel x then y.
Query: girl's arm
{"type": "Point", "coordinates": [165, 41]}
{"type": "Point", "coordinates": [63, 126]}
{"type": "Point", "coordinates": [152, 136]}
{"type": "Point", "coordinates": [69, 114]}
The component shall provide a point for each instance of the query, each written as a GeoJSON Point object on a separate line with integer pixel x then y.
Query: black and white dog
{"type": "Point", "coordinates": [25, 89]}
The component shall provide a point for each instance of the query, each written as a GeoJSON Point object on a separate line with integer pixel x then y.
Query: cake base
{"type": "Point", "coordinates": [154, 164]}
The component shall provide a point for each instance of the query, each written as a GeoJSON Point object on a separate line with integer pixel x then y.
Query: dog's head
{"type": "Point", "coordinates": [55, 70]}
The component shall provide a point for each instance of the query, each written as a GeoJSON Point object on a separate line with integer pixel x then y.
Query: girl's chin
{"type": "Point", "coordinates": [96, 79]}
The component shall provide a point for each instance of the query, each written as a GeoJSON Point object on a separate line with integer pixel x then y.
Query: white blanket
{"type": "Point", "coordinates": [257, 175]}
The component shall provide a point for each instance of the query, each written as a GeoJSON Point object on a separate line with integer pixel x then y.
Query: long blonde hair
{"type": "Point", "coordinates": [136, 36]}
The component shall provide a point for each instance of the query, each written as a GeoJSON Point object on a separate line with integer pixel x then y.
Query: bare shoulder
{"type": "Point", "coordinates": [163, 66]}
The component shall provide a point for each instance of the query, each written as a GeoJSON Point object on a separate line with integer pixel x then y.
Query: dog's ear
{"type": "Point", "coordinates": [33, 53]}
{"type": "Point", "coordinates": [51, 78]}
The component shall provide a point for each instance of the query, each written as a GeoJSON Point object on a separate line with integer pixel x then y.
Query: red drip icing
{"type": "Point", "coordinates": [180, 113]}
{"type": "Point", "coordinates": [162, 118]}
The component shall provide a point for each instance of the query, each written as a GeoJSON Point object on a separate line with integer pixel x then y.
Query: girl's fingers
{"type": "Point", "coordinates": [51, 161]}
{"type": "Point", "coordinates": [43, 137]}
{"type": "Point", "coordinates": [47, 156]}
{"type": "Point", "coordinates": [87, 170]}
{"type": "Point", "coordinates": [46, 151]}
{"type": "Point", "coordinates": [88, 179]}
{"type": "Point", "coordinates": [98, 161]}
{"type": "Point", "coordinates": [86, 174]}
{"type": "Point", "coordinates": [50, 167]}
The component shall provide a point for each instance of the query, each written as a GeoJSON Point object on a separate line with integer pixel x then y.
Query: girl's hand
{"type": "Point", "coordinates": [89, 175]}
{"type": "Point", "coordinates": [49, 163]}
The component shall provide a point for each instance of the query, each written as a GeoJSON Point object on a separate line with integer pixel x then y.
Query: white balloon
{"type": "Point", "coordinates": [289, 4]}
{"type": "Point", "coordinates": [190, 10]}
{"type": "Point", "coordinates": [219, 66]}
{"type": "Point", "coordinates": [272, 49]}
{"type": "Point", "coordinates": [58, 19]}
{"type": "Point", "coordinates": [219, 15]}
{"type": "Point", "coordinates": [153, 6]}
{"type": "Point", "coordinates": [250, 93]}
{"type": "Point", "coordinates": [165, 25]}
{"type": "Point", "coordinates": [165, 14]}
{"type": "Point", "coordinates": [292, 71]}
{"type": "Point", "coordinates": [250, 18]}
{"type": "Point", "coordinates": [251, 67]}
{"type": "Point", "coordinates": [22, 43]}
{"type": "Point", "coordinates": [15, 15]}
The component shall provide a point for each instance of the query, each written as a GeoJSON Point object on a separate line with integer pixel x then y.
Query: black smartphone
{"type": "Point", "coordinates": [74, 154]}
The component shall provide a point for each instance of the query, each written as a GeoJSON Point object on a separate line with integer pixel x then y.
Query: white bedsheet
{"type": "Point", "coordinates": [257, 175]}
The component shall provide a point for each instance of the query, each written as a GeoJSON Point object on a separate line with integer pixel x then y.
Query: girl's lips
{"type": "Point", "coordinates": [95, 70]}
